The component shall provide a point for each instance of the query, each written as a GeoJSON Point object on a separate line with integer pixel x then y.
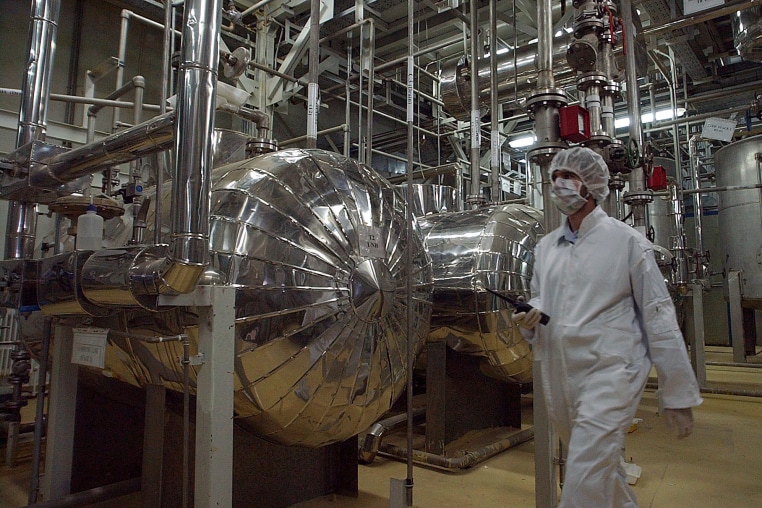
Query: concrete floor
{"type": "Point", "coordinates": [719, 465]}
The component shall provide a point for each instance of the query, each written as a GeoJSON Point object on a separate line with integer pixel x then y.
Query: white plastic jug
{"type": "Point", "coordinates": [89, 230]}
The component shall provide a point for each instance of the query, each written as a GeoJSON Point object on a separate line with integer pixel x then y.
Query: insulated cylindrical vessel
{"type": "Point", "coordinates": [315, 245]}
{"type": "Point", "coordinates": [740, 214]}
{"type": "Point", "coordinates": [476, 249]}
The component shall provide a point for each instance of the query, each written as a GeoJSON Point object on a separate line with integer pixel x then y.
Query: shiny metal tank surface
{"type": "Point", "coordinates": [316, 246]}
{"type": "Point", "coordinates": [740, 213]}
{"type": "Point", "coordinates": [488, 247]}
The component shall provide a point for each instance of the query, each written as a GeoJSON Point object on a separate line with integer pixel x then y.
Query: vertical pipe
{"type": "Point", "coordinates": [371, 83]}
{"type": "Point", "coordinates": [698, 208]}
{"type": "Point", "coordinates": [125, 26]}
{"type": "Point", "coordinates": [474, 194]}
{"type": "Point", "coordinates": [637, 178]}
{"type": "Point", "coordinates": [34, 483]}
{"type": "Point", "coordinates": [164, 93]}
{"type": "Point", "coordinates": [197, 82]}
{"type": "Point", "coordinates": [409, 253]}
{"type": "Point", "coordinates": [494, 116]}
{"type": "Point", "coordinates": [545, 77]}
{"type": "Point", "coordinates": [138, 224]}
{"type": "Point", "coordinates": [35, 90]}
{"type": "Point", "coordinates": [312, 87]}
{"type": "Point", "coordinates": [678, 243]}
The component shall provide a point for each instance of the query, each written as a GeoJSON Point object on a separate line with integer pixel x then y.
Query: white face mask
{"type": "Point", "coordinates": [565, 194]}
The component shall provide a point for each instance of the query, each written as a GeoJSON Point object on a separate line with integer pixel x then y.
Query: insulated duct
{"type": "Point", "coordinates": [22, 217]}
{"type": "Point", "coordinates": [515, 79]}
{"type": "Point", "coordinates": [747, 31]}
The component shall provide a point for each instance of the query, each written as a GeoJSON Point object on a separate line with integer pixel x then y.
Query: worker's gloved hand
{"type": "Point", "coordinates": [527, 320]}
{"type": "Point", "coordinates": [681, 420]}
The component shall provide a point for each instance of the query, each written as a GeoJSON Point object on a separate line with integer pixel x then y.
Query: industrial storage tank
{"type": "Point", "coordinates": [739, 213]}
{"type": "Point", "coordinates": [491, 248]}
{"type": "Point", "coordinates": [315, 245]}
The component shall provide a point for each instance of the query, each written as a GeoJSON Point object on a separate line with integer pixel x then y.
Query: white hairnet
{"type": "Point", "coordinates": [590, 167]}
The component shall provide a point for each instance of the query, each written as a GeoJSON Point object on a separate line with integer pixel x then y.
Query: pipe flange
{"type": "Point", "coordinates": [616, 182]}
{"type": "Point", "coordinates": [586, 23]}
{"type": "Point", "coordinates": [638, 197]}
{"type": "Point", "coordinates": [545, 151]}
{"type": "Point", "coordinates": [613, 88]}
{"type": "Point", "coordinates": [589, 79]}
{"type": "Point", "coordinates": [598, 139]}
{"type": "Point", "coordinates": [258, 146]}
{"type": "Point", "coordinates": [582, 55]}
{"type": "Point", "coordinates": [552, 97]}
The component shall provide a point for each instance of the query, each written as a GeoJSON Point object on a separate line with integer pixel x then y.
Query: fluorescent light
{"type": "Point", "coordinates": [522, 141]}
{"type": "Point", "coordinates": [664, 114]}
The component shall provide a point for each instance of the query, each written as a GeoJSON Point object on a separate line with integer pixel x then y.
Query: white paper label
{"type": "Point", "coordinates": [719, 129]}
{"type": "Point", "coordinates": [410, 89]}
{"type": "Point", "coordinates": [312, 110]}
{"type": "Point", "coordinates": [89, 347]}
{"type": "Point", "coordinates": [476, 128]}
{"type": "Point", "coordinates": [691, 6]}
{"type": "Point", "coordinates": [372, 243]}
{"type": "Point", "coordinates": [495, 142]}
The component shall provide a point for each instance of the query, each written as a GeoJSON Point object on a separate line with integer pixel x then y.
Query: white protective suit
{"type": "Point", "coordinates": [611, 316]}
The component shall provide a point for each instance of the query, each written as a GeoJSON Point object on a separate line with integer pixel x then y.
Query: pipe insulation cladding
{"type": "Point", "coordinates": [315, 245]}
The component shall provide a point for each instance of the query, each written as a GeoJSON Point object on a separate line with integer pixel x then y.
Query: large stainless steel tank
{"type": "Point", "coordinates": [315, 244]}
{"type": "Point", "coordinates": [489, 247]}
{"type": "Point", "coordinates": [740, 214]}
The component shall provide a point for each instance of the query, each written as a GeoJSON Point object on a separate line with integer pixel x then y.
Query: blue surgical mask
{"type": "Point", "coordinates": [565, 194]}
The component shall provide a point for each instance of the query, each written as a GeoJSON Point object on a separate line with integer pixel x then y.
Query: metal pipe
{"type": "Point", "coordinates": [679, 244]}
{"type": "Point", "coordinates": [494, 113]}
{"type": "Point", "coordinates": [254, 7]}
{"type": "Point", "coordinates": [372, 441]}
{"type": "Point", "coordinates": [474, 197]}
{"type": "Point", "coordinates": [299, 139]}
{"type": "Point", "coordinates": [75, 99]}
{"type": "Point", "coordinates": [545, 78]}
{"type": "Point", "coordinates": [637, 177]}
{"type": "Point", "coordinates": [21, 229]}
{"type": "Point", "coordinates": [719, 391]}
{"type": "Point", "coordinates": [465, 461]}
{"type": "Point", "coordinates": [189, 240]}
{"type": "Point", "coordinates": [429, 49]}
{"type": "Point", "coordinates": [133, 84]}
{"type": "Point", "coordinates": [155, 135]}
{"type": "Point", "coordinates": [39, 428]}
{"type": "Point", "coordinates": [516, 76]}
{"type": "Point", "coordinates": [371, 84]}
{"type": "Point", "coordinates": [259, 118]}
{"type": "Point", "coordinates": [697, 204]}
{"type": "Point", "coordinates": [725, 188]}
{"type": "Point", "coordinates": [314, 60]}
{"type": "Point", "coordinates": [696, 118]}
{"type": "Point", "coordinates": [122, 55]}
{"type": "Point", "coordinates": [164, 93]}
{"type": "Point", "coordinates": [409, 330]}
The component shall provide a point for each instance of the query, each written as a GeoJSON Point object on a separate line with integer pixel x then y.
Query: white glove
{"type": "Point", "coordinates": [681, 420]}
{"type": "Point", "coordinates": [527, 320]}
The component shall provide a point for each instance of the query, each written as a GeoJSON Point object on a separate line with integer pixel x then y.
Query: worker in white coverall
{"type": "Point", "coordinates": [611, 317]}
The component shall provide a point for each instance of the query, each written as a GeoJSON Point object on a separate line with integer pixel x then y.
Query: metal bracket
{"type": "Point", "coordinates": [198, 359]}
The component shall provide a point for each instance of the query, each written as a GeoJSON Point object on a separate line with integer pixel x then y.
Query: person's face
{"type": "Point", "coordinates": [569, 175]}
